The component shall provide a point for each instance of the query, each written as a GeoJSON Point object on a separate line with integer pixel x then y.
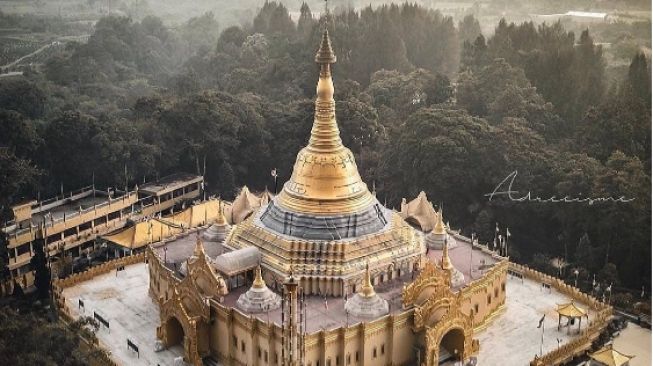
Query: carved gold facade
{"type": "Point", "coordinates": [434, 316]}
{"type": "Point", "coordinates": [185, 311]}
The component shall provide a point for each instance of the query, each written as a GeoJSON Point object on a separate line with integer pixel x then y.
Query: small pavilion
{"type": "Point", "coordinates": [572, 312]}
{"type": "Point", "coordinates": [608, 356]}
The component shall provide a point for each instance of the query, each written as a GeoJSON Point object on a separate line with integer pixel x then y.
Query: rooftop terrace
{"type": "Point", "coordinates": [169, 183]}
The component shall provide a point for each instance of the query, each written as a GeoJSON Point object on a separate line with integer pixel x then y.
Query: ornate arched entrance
{"type": "Point", "coordinates": [453, 334]}
{"type": "Point", "coordinates": [174, 332]}
{"type": "Point", "coordinates": [179, 327]}
{"type": "Point", "coordinates": [453, 344]}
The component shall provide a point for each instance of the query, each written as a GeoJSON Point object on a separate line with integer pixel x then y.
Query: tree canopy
{"type": "Point", "coordinates": [424, 102]}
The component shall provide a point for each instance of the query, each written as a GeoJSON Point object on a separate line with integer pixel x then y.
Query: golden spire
{"type": "Point", "coordinates": [325, 178]}
{"type": "Point", "coordinates": [325, 135]}
{"type": "Point", "coordinates": [439, 223]}
{"type": "Point", "coordinates": [367, 290]}
{"type": "Point", "coordinates": [258, 279]}
{"type": "Point", "coordinates": [220, 220]}
{"type": "Point", "coordinates": [199, 247]}
{"type": "Point", "coordinates": [446, 261]}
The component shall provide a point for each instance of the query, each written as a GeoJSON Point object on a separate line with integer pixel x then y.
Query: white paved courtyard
{"type": "Point", "coordinates": [122, 299]}
{"type": "Point", "coordinates": [512, 338]}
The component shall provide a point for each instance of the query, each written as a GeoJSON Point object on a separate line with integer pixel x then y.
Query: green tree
{"type": "Point", "coordinates": [273, 18]}
{"type": "Point", "coordinates": [306, 22]}
{"type": "Point", "coordinates": [227, 181]}
{"type": "Point", "coordinates": [449, 142]}
{"type": "Point", "coordinates": [201, 32]}
{"type": "Point", "coordinates": [27, 339]}
{"type": "Point", "coordinates": [639, 78]}
{"type": "Point", "coordinates": [23, 96]}
{"type": "Point", "coordinates": [232, 37]}
{"type": "Point", "coordinates": [42, 277]}
{"type": "Point", "coordinates": [407, 92]}
{"type": "Point", "coordinates": [584, 253]}
{"type": "Point", "coordinates": [468, 29]}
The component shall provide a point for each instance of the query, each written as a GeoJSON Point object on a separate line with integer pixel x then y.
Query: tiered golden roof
{"type": "Point", "coordinates": [610, 357]}
{"type": "Point", "coordinates": [325, 178]}
{"type": "Point", "coordinates": [143, 233]}
{"type": "Point", "coordinates": [571, 310]}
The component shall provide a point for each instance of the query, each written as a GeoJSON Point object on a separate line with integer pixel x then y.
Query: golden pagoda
{"type": "Point", "coordinates": [259, 297]}
{"type": "Point", "coordinates": [435, 238]}
{"type": "Point", "coordinates": [367, 303]}
{"type": "Point", "coordinates": [367, 290]}
{"type": "Point", "coordinates": [439, 227]}
{"type": "Point", "coordinates": [325, 178]}
{"type": "Point", "coordinates": [218, 232]}
{"type": "Point", "coordinates": [325, 221]}
{"type": "Point", "coordinates": [457, 278]}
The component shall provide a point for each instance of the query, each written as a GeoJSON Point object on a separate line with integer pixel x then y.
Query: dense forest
{"type": "Point", "coordinates": [424, 102]}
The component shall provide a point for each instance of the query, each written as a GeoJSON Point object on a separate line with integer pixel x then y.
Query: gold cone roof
{"type": "Point", "coordinates": [258, 280]}
{"type": "Point", "coordinates": [610, 357]}
{"type": "Point", "coordinates": [571, 310]}
{"type": "Point", "coordinates": [439, 227]}
{"type": "Point", "coordinates": [220, 220]}
{"type": "Point", "coordinates": [325, 178]}
{"type": "Point", "coordinates": [367, 290]}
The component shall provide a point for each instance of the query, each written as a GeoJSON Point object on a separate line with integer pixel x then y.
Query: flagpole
{"type": "Point", "coordinates": [541, 325]}
{"type": "Point", "coordinates": [274, 175]}
{"type": "Point", "coordinates": [542, 342]}
{"type": "Point", "coordinates": [471, 257]}
{"type": "Point", "coordinates": [507, 236]}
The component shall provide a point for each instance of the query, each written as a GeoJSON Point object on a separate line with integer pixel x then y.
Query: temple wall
{"type": "Point", "coordinates": [486, 296]}
{"type": "Point", "coordinates": [161, 278]}
{"type": "Point", "coordinates": [387, 340]}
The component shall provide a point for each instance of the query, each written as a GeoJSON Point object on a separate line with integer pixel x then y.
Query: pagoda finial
{"type": "Point", "coordinates": [258, 279]}
{"type": "Point", "coordinates": [367, 290]}
{"type": "Point", "coordinates": [325, 55]}
{"type": "Point", "coordinates": [439, 227]}
{"type": "Point", "coordinates": [446, 261]}
{"type": "Point", "coordinates": [199, 247]}
{"type": "Point", "coordinates": [220, 220]}
{"type": "Point", "coordinates": [325, 135]}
